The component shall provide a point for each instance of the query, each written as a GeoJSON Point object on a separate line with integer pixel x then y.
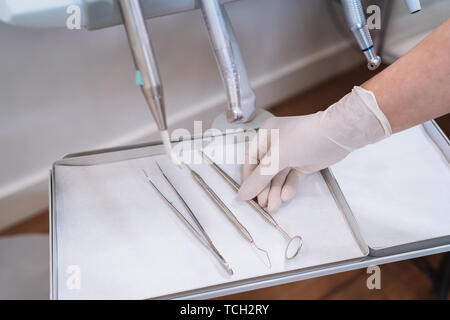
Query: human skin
{"type": "Point", "coordinates": [416, 88]}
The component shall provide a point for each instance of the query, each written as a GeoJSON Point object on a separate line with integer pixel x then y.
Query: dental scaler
{"type": "Point", "coordinates": [147, 74]}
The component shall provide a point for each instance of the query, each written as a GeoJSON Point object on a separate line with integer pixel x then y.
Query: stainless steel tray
{"type": "Point", "coordinates": [431, 246]}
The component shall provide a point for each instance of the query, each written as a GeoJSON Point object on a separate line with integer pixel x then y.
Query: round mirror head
{"type": "Point", "coordinates": [293, 247]}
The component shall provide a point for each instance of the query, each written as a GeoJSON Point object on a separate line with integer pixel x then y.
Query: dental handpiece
{"type": "Point", "coordinates": [145, 62]}
{"type": "Point", "coordinates": [357, 23]}
{"type": "Point", "coordinates": [294, 243]}
{"type": "Point", "coordinates": [241, 98]}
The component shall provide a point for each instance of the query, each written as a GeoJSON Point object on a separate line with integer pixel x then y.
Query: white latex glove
{"type": "Point", "coordinates": [307, 144]}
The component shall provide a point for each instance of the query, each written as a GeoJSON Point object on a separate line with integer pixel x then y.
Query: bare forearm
{"type": "Point", "coordinates": [416, 88]}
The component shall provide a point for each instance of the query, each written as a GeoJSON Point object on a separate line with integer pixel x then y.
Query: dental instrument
{"type": "Point", "coordinates": [191, 213]}
{"type": "Point", "coordinates": [356, 21]}
{"type": "Point", "coordinates": [147, 74]}
{"type": "Point", "coordinates": [294, 243]}
{"type": "Point", "coordinates": [231, 217]}
{"type": "Point", "coordinates": [203, 237]}
{"type": "Point", "coordinates": [241, 98]}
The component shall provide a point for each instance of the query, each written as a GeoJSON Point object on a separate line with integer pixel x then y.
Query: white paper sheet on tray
{"type": "Point", "coordinates": [398, 189]}
{"type": "Point", "coordinates": [128, 244]}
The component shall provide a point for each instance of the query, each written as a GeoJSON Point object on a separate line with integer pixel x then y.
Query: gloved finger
{"type": "Point", "coordinates": [259, 178]}
{"type": "Point", "coordinates": [249, 165]}
{"type": "Point", "coordinates": [256, 149]}
{"type": "Point", "coordinates": [290, 185]}
{"type": "Point", "coordinates": [274, 201]}
{"type": "Point", "coordinates": [263, 196]}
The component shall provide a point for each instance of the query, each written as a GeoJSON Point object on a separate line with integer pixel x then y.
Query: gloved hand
{"type": "Point", "coordinates": [306, 144]}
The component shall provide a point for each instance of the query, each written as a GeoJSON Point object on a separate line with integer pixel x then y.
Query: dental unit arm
{"type": "Point", "coordinates": [96, 14]}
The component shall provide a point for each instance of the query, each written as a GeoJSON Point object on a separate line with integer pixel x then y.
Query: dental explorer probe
{"type": "Point", "coordinates": [231, 217]}
{"type": "Point", "coordinates": [292, 240]}
{"type": "Point", "coordinates": [206, 241]}
{"type": "Point", "coordinates": [147, 69]}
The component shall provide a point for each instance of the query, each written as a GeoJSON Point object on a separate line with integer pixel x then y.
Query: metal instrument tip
{"type": "Point", "coordinates": [263, 255]}
{"type": "Point", "coordinates": [168, 147]}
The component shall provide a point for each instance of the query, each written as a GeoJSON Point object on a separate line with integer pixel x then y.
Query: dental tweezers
{"type": "Point", "coordinates": [202, 236]}
{"type": "Point", "coordinates": [294, 243]}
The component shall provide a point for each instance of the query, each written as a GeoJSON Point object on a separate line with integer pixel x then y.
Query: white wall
{"type": "Point", "coordinates": [66, 91]}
